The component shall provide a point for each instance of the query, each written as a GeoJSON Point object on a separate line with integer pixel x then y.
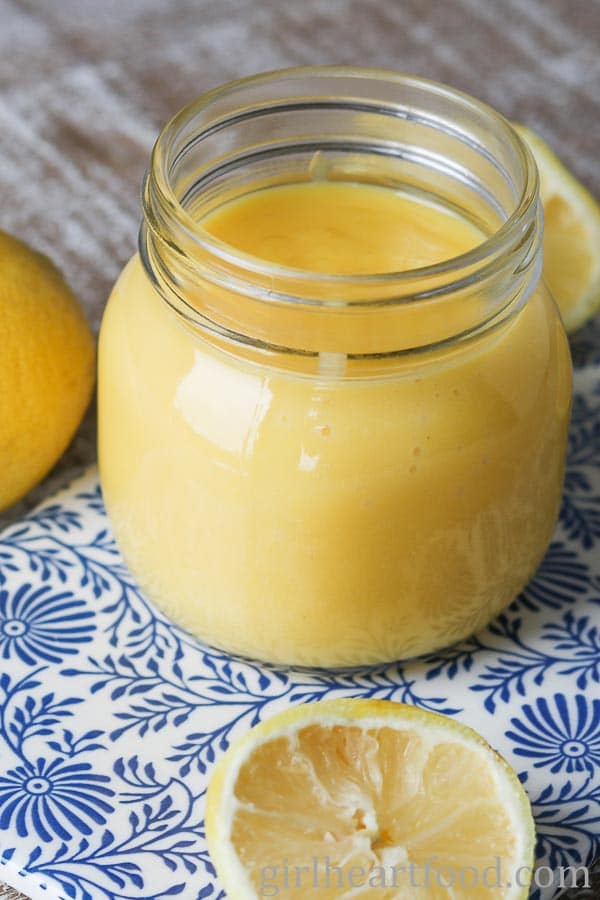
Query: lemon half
{"type": "Point", "coordinates": [571, 236]}
{"type": "Point", "coordinates": [46, 367]}
{"type": "Point", "coordinates": [368, 798]}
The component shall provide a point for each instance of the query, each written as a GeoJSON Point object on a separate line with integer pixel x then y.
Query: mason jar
{"type": "Point", "coordinates": [334, 469]}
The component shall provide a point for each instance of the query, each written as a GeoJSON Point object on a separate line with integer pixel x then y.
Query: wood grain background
{"type": "Point", "coordinates": [85, 86]}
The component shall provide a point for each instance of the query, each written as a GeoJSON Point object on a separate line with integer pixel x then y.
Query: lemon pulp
{"type": "Point", "coordinates": [571, 236]}
{"type": "Point", "coordinates": [368, 798]}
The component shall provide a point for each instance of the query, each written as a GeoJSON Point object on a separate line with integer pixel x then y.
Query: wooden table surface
{"type": "Point", "coordinates": [85, 86]}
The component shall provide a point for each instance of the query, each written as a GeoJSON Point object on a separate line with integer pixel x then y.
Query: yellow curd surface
{"type": "Point", "coordinates": [321, 519]}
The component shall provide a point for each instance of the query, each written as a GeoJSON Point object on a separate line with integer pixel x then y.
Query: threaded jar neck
{"type": "Point", "coordinates": [369, 126]}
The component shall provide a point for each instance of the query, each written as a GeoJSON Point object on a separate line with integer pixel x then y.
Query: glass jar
{"type": "Point", "coordinates": [334, 470]}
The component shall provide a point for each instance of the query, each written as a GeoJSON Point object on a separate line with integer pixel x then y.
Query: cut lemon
{"type": "Point", "coordinates": [368, 798]}
{"type": "Point", "coordinates": [571, 236]}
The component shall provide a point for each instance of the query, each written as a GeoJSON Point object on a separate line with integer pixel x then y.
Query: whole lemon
{"type": "Point", "coordinates": [46, 367]}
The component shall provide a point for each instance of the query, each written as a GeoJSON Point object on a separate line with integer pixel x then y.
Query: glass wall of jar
{"type": "Point", "coordinates": [334, 469]}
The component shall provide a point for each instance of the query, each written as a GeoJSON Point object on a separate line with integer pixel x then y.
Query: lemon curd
{"type": "Point", "coordinates": [320, 482]}
{"type": "Point", "coordinates": [345, 227]}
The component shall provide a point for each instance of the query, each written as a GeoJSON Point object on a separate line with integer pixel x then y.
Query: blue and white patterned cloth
{"type": "Point", "coordinates": [112, 718]}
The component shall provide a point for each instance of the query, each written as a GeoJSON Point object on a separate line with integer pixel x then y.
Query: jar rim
{"type": "Point", "coordinates": [490, 248]}
{"type": "Point", "coordinates": [437, 140]}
